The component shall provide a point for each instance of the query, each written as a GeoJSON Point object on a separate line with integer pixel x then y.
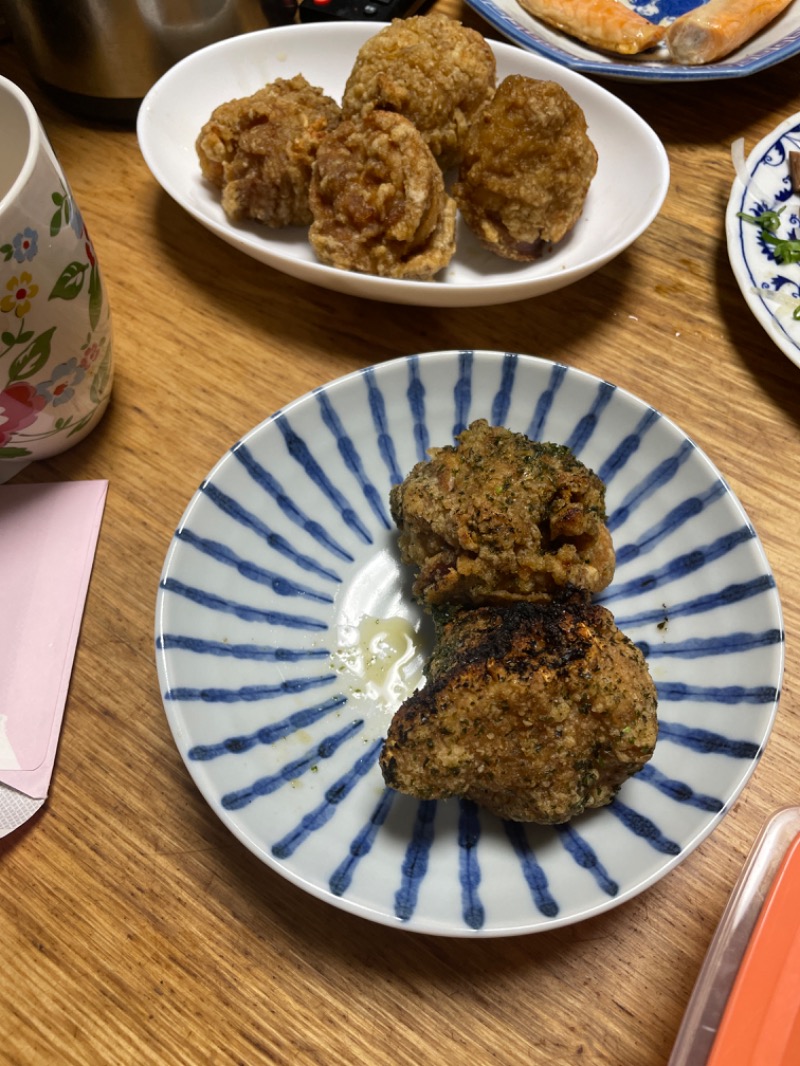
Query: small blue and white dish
{"type": "Point", "coordinates": [771, 288]}
{"type": "Point", "coordinates": [286, 637]}
{"type": "Point", "coordinates": [778, 41]}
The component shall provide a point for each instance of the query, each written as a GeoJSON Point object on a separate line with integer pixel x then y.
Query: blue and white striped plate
{"type": "Point", "coordinates": [285, 637]}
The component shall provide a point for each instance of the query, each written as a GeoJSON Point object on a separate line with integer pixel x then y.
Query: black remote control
{"type": "Point", "coordinates": [366, 10]}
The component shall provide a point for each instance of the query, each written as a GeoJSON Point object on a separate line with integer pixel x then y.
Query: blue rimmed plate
{"type": "Point", "coordinates": [285, 638]}
{"type": "Point", "coordinates": [776, 42]}
{"type": "Point", "coordinates": [771, 288]}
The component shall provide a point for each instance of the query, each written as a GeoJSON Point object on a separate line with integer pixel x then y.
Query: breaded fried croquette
{"type": "Point", "coordinates": [429, 68]}
{"type": "Point", "coordinates": [498, 517]}
{"type": "Point", "coordinates": [526, 169]}
{"type": "Point", "coordinates": [536, 712]}
{"type": "Point", "coordinates": [378, 200]}
{"type": "Point", "coordinates": [259, 150]}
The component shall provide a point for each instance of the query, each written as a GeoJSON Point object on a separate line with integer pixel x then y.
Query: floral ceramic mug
{"type": "Point", "coordinates": [55, 326]}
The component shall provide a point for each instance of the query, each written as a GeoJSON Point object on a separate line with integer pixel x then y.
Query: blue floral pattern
{"type": "Point", "coordinates": [770, 286]}
{"type": "Point", "coordinates": [25, 245]}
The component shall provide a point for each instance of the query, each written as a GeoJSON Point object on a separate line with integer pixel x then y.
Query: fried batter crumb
{"type": "Point", "coordinates": [429, 68]}
{"type": "Point", "coordinates": [378, 200]}
{"type": "Point", "coordinates": [536, 712]}
{"type": "Point", "coordinates": [499, 517]}
{"type": "Point", "coordinates": [526, 169]}
{"type": "Point", "coordinates": [259, 150]}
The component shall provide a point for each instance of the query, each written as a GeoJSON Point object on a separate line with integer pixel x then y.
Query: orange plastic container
{"type": "Point", "coordinates": [745, 1007]}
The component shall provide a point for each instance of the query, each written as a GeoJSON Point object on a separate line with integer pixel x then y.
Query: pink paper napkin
{"type": "Point", "coordinates": [48, 536]}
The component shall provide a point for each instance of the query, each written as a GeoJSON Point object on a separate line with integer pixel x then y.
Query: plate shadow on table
{"type": "Point", "coordinates": [349, 321]}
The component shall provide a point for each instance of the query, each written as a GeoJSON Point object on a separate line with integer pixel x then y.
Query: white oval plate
{"type": "Point", "coordinates": [287, 549]}
{"type": "Point", "coordinates": [625, 196]}
{"type": "Point", "coordinates": [771, 289]}
{"type": "Point", "coordinates": [776, 42]}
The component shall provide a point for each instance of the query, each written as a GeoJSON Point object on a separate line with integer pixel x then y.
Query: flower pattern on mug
{"type": "Point", "coordinates": [67, 213]}
{"type": "Point", "coordinates": [76, 221]}
{"type": "Point", "coordinates": [61, 386]}
{"type": "Point", "coordinates": [91, 352]}
{"type": "Point", "coordinates": [31, 342]}
{"type": "Point", "coordinates": [25, 245]}
{"type": "Point", "coordinates": [21, 290]}
{"type": "Point", "coordinates": [19, 405]}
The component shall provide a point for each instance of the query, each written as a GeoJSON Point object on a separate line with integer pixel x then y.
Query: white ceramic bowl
{"type": "Point", "coordinates": [625, 196]}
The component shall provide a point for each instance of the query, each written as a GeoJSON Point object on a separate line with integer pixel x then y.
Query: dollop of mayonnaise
{"type": "Point", "coordinates": [380, 661]}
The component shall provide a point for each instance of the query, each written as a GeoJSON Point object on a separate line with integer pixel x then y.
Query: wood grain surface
{"type": "Point", "coordinates": [133, 927]}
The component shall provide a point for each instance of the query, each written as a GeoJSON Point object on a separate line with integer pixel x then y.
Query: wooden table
{"type": "Point", "coordinates": [133, 927]}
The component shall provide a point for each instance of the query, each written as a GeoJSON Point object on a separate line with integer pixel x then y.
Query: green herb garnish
{"type": "Point", "coordinates": [786, 250]}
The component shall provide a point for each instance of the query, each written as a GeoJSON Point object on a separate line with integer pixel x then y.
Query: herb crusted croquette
{"type": "Point", "coordinates": [535, 705]}
{"type": "Point", "coordinates": [536, 712]}
{"type": "Point", "coordinates": [498, 518]}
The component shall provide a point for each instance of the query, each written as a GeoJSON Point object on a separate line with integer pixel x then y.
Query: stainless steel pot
{"type": "Point", "coordinates": [100, 57]}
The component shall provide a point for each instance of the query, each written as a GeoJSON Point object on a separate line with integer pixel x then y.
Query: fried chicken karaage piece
{"type": "Point", "coordinates": [259, 150]}
{"type": "Point", "coordinates": [378, 200]}
{"type": "Point", "coordinates": [431, 69]}
{"type": "Point", "coordinates": [526, 169]}
{"type": "Point", "coordinates": [536, 712]}
{"type": "Point", "coordinates": [499, 518]}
